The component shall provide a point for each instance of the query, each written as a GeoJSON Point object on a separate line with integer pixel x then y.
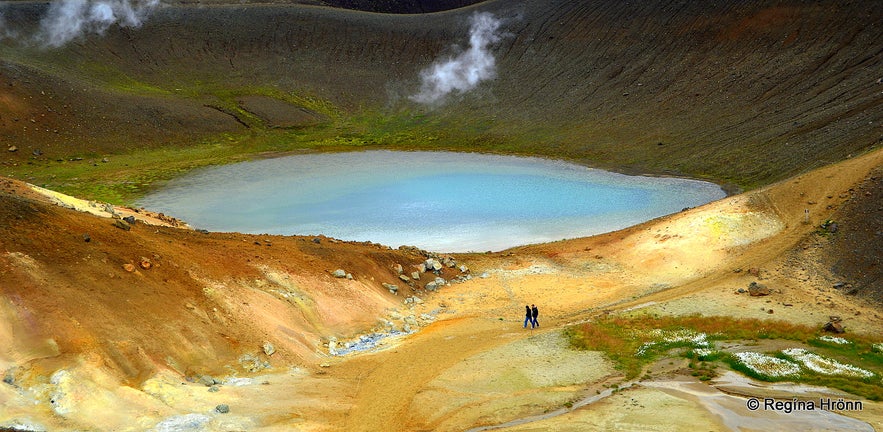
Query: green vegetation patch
{"type": "Point", "coordinates": [850, 363]}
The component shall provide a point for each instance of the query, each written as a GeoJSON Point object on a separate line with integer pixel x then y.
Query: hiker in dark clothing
{"type": "Point", "coordinates": [528, 316]}
{"type": "Point", "coordinates": [534, 313]}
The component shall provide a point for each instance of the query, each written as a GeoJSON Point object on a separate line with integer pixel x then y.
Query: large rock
{"type": "Point", "coordinates": [756, 290]}
{"type": "Point", "coordinates": [433, 264]}
{"type": "Point", "coordinates": [834, 327]}
{"type": "Point", "coordinates": [339, 273]}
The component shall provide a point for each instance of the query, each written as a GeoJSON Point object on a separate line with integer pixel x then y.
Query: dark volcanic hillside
{"type": "Point", "coordinates": [744, 92]}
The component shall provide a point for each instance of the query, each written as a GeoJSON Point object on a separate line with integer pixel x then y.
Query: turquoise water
{"type": "Point", "coordinates": [441, 201]}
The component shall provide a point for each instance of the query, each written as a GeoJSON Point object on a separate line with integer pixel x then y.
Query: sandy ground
{"type": "Point", "coordinates": [473, 365]}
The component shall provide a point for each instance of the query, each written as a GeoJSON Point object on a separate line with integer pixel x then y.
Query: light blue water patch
{"type": "Point", "coordinates": [441, 201]}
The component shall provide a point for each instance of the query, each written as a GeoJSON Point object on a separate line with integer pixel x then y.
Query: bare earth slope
{"type": "Point", "coordinates": [746, 92]}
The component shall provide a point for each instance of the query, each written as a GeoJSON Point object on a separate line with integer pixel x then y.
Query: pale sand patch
{"type": "Point", "coordinates": [510, 381]}
{"type": "Point", "coordinates": [635, 409]}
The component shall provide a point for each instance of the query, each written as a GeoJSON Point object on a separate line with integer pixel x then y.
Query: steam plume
{"type": "Point", "coordinates": [467, 69]}
{"type": "Point", "coordinates": [67, 20]}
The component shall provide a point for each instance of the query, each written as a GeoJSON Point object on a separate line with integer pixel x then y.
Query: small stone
{"type": "Point", "coordinates": [339, 273]}
{"type": "Point", "coordinates": [129, 267]}
{"type": "Point", "coordinates": [398, 268]}
{"type": "Point", "coordinates": [214, 389]}
{"type": "Point", "coordinates": [464, 269]}
{"type": "Point", "coordinates": [415, 275]}
{"type": "Point", "coordinates": [222, 408]}
{"type": "Point", "coordinates": [119, 223]}
{"type": "Point", "coordinates": [317, 240]}
{"type": "Point", "coordinates": [12, 149]}
{"type": "Point", "coordinates": [404, 278]}
{"type": "Point", "coordinates": [129, 220]}
{"type": "Point", "coordinates": [207, 380]}
{"type": "Point", "coordinates": [145, 263]}
{"type": "Point", "coordinates": [349, 276]}
{"type": "Point", "coordinates": [87, 238]}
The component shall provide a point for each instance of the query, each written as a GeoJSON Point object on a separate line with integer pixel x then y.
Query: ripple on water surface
{"type": "Point", "coordinates": [449, 202]}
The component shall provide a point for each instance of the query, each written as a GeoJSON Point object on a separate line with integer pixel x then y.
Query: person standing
{"type": "Point", "coordinates": [534, 313]}
{"type": "Point", "coordinates": [528, 316]}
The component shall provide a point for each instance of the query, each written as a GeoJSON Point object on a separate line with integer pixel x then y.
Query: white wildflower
{"type": "Point", "coordinates": [878, 347]}
{"type": "Point", "coordinates": [768, 365]}
{"type": "Point", "coordinates": [703, 352]}
{"type": "Point", "coordinates": [834, 339]}
{"type": "Point", "coordinates": [824, 365]}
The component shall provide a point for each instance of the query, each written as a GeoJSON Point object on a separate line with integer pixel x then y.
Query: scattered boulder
{"type": "Point", "coordinates": [830, 226]}
{"type": "Point", "coordinates": [317, 240]}
{"type": "Point", "coordinates": [121, 224]}
{"type": "Point", "coordinates": [421, 268]}
{"type": "Point", "coordinates": [222, 408]}
{"type": "Point", "coordinates": [433, 264]}
{"type": "Point", "coordinates": [269, 349]}
{"type": "Point", "coordinates": [431, 286]}
{"type": "Point", "coordinates": [214, 389]}
{"type": "Point", "coordinates": [129, 267]}
{"type": "Point", "coordinates": [756, 290]}
{"type": "Point", "coordinates": [251, 363]}
{"type": "Point", "coordinates": [145, 263]}
{"type": "Point", "coordinates": [349, 276]}
{"type": "Point", "coordinates": [398, 269]}
{"type": "Point", "coordinates": [464, 269]}
{"type": "Point", "coordinates": [87, 238]}
{"type": "Point", "coordinates": [415, 275]}
{"type": "Point", "coordinates": [394, 289]}
{"type": "Point", "coordinates": [404, 278]}
{"type": "Point", "coordinates": [129, 220]}
{"type": "Point", "coordinates": [12, 149]}
{"type": "Point", "coordinates": [834, 327]}
{"type": "Point", "coordinates": [208, 380]}
{"type": "Point", "coordinates": [339, 273]}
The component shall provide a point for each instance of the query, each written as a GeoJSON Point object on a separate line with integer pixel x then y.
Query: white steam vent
{"type": "Point", "coordinates": [464, 71]}
{"type": "Point", "coordinates": [67, 20]}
